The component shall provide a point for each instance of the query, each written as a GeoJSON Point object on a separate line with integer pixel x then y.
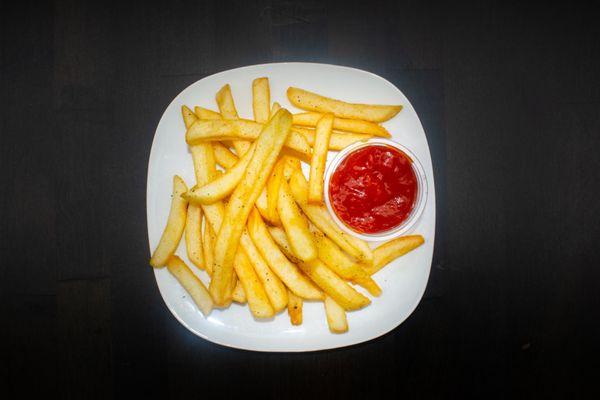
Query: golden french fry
{"type": "Point", "coordinates": [393, 249]}
{"type": "Point", "coordinates": [175, 225]}
{"type": "Point", "coordinates": [285, 270]}
{"type": "Point", "coordinates": [313, 102]}
{"type": "Point", "coordinates": [320, 217]}
{"type": "Point", "coordinates": [239, 294]}
{"type": "Point", "coordinates": [341, 264]}
{"type": "Point", "coordinates": [193, 235]}
{"type": "Point", "coordinates": [334, 286]}
{"type": "Point", "coordinates": [224, 156]}
{"type": "Point", "coordinates": [259, 303]}
{"type": "Point", "coordinates": [273, 185]}
{"type": "Point", "coordinates": [262, 205]}
{"type": "Point", "coordinates": [343, 124]}
{"type": "Point", "coordinates": [337, 141]}
{"type": "Point", "coordinates": [227, 108]}
{"type": "Point", "coordinates": [212, 130]}
{"type": "Point", "coordinates": [202, 153]}
{"type": "Point", "coordinates": [266, 152]}
{"type": "Point", "coordinates": [275, 108]}
{"type": "Point", "coordinates": [223, 186]}
{"type": "Point", "coordinates": [208, 240]}
{"type": "Point", "coordinates": [319, 157]}
{"type": "Point", "coordinates": [295, 308]}
{"type": "Point", "coordinates": [205, 113]}
{"type": "Point", "coordinates": [295, 225]}
{"type": "Point", "coordinates": [276, 290]}
{"type": "Point", "coordinates": [280, 237]}
{"type": "Point", "coordinates": [336, 316]}
{"type": "Point", "coordinates": [291, 164]}
{"type": "Point", "coordinates": [261, 99]}
{"type": "Point", "coordinates": [191, 284]}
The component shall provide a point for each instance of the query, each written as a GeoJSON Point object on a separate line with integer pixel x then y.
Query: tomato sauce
{"type": "Point", "coordinates": [374, 189]}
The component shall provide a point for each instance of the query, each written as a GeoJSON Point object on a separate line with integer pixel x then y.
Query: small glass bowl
{"type": "Point", "coordinates": [420, 201]}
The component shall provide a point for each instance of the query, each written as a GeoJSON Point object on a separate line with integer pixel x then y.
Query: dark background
{"type": "Point", "coordinates": [509, 97]}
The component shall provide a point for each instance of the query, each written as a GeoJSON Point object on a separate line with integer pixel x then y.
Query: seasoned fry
{"type": "Point", "coordinates": [262, 205]}
{"type": "Point", "coordinates": [224, 156]}
{"type": "Point", "coordinates": [268, 147]}
{"type": "Point", "coordinates": [223, 186]}
{"type": "Point", "coordinates": [336, 316]}
{"type": "Point", "coordinates": [227, 108]}
{"type": "Point", "coordinates": [205, 113]}
{"type": "Point", "coordinates": [343, 124]}
{"type": "Point", "coordinates": [295, 225]}
{"type": "Point", "coordinates": [261, 99]}
{"type": "Point", "coordinates": [191, 284]}
{"type": "Point", "coordinates": [279, 236]}
{"type": "Point", "coordinates": [291, 164]}
{"type": "Point", "coordinates": [313, 102]}
{"type": "Point", "coordinates": [239, 295]}
{"type": "Point", "coordinates": [295, 308]}
{"type": "Point", "coordinates": [193, 235]}
{"type": "Point", "coordinates": [319, 216]}
{"type": "Point", "coordinates": [393, 249]}
{"type": "Point", "coordinates": [208, 240]}
{"type": "Point", "coordinates": [319, 157]}
{"type": "Point", "coordinates": [276, 290]}
{"type": "Point", "coordinates": [284, 269]}
{"type": "Point", "coordinates": [202, 153]}
{"type": "Point", "coordinates": [341, 264]}
{"type": "Point", "coordinates": [273, 185]}
{"type": "Point", "coordinates": [259, 303]}
{"type": "Point", "coordinates": [337, 141]}
{"type": "Point", "coordinates": [175, 225]}
{"type": "Point", "coordinates": [211, 130]}
{"type": "Point", "coordinates": [334, 286]}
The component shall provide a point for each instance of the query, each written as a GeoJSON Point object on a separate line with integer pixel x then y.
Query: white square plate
{"type": "Point", "coordinates": [403, 281]}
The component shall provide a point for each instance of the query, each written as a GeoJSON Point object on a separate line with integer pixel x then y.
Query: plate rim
{"type": "Point", "coordinates": [311, 348]}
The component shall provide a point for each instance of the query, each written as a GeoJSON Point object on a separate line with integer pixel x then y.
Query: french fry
{"type": "Point", "coordinates": [295, 308]}
{"type": "Point", "coordinates": [211, 130]}
{"type": "Point", "coordinates": [275, 108]}
{"type": "Point", "coordinates": [285, 270]}
{"type": "Point", "coordinates": [259, 303]}
{"type": "Point", "coordinates": [208, 240]}
{"type": "Point", "coordinates": [337, 141]}
{"type": "Point", "coordinates": [175, 225]}
{"type": "Point", "coordinates": [295, 225]}
{"type": "Point", "coordinates": [279, 236]}
{"type": "Point", "coordinates": [276, 290]}
{"type": "Point", "coordinates": [193, 235]}
{"type": "Point", "coordinates": [273, 185]}
{"type": "Point", "coordinates": [227, 108]}
{"type": "Point", "coordinates": [291, 164]}
{"type": "Point", "coordinates": [334, 286]}
{"type": "Point", "coordinates": [319, 157]}
{"type": "Point", "coordinates": [342, 124]}
{"type": "Point", "coordinates": [239, 295]}
{"type": "Point", "coordinates": [191, 284]}
{"type": "Point", "coordinates": [266, 152]}
{"type": "Point", "coordinates": [341, 264]}
{"type": "Point", "coordinates": [393, 249]}
{"type": "Point", "coordinates": [224, 156]}
{"type": "Point", "coordinates": [313, 102]}
{"type": "Point", "coordinates": [262, 205]}
{"type": "Point", "coordinates": [319, 216]}
{"type": "Point", "coordinates": [205, 113]}
{"type": "Point", "coordinates": [202, 153]}
{"type": "Point", "coordinates": [336, 316]}
{"type": "Point", "coordinates": [261, 100]}
{"type": "Point", "coordinates": [223, 186]}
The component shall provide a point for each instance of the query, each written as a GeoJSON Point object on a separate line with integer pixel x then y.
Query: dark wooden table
{"type": "Point", "coordinates": [509, 97]}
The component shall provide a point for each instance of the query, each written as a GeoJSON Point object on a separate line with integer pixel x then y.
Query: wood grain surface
{"type": "Point", "coordinates": [509, 96]}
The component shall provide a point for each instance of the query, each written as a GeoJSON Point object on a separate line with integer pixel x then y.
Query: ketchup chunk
{"type": "Point", "coordinates": [373, 189]}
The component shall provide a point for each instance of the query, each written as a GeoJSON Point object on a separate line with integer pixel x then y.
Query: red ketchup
{"type": "Point", "coordinates": [374, 189]}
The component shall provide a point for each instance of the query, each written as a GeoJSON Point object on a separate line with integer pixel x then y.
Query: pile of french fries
{"type": "Point", "coordinates": [256, 225]}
